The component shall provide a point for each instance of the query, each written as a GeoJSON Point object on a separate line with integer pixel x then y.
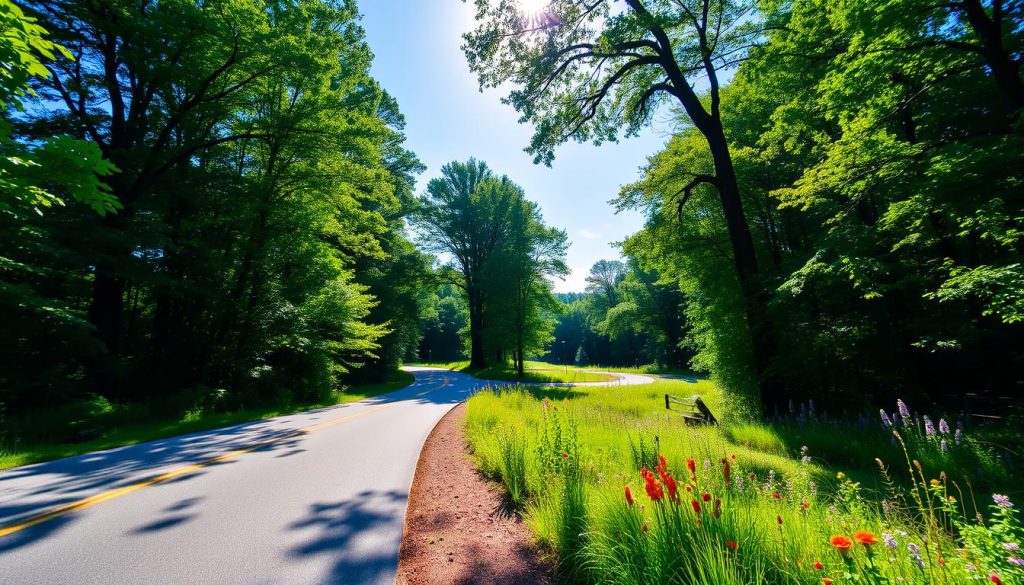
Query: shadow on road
{"type": "Point", "coordinates": [350, 531]}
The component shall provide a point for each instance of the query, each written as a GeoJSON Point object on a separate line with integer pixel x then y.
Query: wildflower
{"type": "Point", "coordinates": [957, 437]}
{"type": "Point", "coordinates": [841, 543]}
{"type": "Point", "coordinates": [929, 427]}
{"type": "Point", "coordinates": [840, 475]}
{"type": "Point", "coordinates": [706, 497]}
{"type": "Point", "coordinates": [1016, 561]}
{"type": "Point", "coordinates": [691, 465]}
{"type": "Point", "coordinates": [934, 482]}
{"type": "Point", "coordinates": [1002, 501]}
{"type": "Point", "coordinates": [914, 549]}
{"type": "Point", "coordinates": [662, 463]}
{"type": "Point", "coordinates": [818, 565]}
{"type": "Point", "coordinates": [865, 537]}
{"type": "Point", "coordinates": [889, 540]}
{"type": "Point", "coordinates": [778, 519]}
{"type": "Point", "coordinates": [995, 579]}
{"type": "Point", "coordinates": [944, 446]}
{"type": "Point", "coordinates": [670, 483]}
{"type": "Point", "coordinates": [734, 457]}
{"type": "Point", "coordinates": [943, 426]}
{"type": "Point", "coordinates": [629, 497]}
{"type": "Point", "coordinates": [1011, 546]}
{"type": "Point", "coordinates": [718, 508]}
{"type": "Point", "coordinates": [902, 406]}
{"type": "Point", "coordinates": [885, 418]}
{"type": "Point", "coordinates": [696, 506]}
{"type": "Point", "coordinates": [645, 526]}
{"type": "Point", "coordinates": [805, 505]}
{"type": "Point", "coordinates": [565, 455]}
{"type": "Point", "coordinates": [826, 581]}
{"type": "Point", "coordinates": [970, 567]}
{"type": "Point", "coordinates": [732, 544]}
{"type": "Point", "coordinates": [726, 470]}
{"type": "Point", "coordinates": [776, 495]}
{"type": "Point", "coordinates": [651, 485]}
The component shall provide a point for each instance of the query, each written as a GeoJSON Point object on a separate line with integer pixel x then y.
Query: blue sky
{"type": "Point", "coordinates": [418, 59]}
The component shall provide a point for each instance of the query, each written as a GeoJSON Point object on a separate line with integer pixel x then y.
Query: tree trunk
{"type": "Point", "coordinates": [476, 330]}
{"type": "Point", "coordinates": [773, 398]}
{"type": "Point", "coordinates": [1005, 69]}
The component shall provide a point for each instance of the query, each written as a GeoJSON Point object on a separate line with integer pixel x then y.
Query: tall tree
{"type": "Point", "coordinates": [465, 213]}
{"type": "Point", "coordinates": [602, 70]}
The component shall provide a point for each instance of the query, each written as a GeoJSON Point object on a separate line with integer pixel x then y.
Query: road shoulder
{"type": "Point", "coordinates": [458, 528]}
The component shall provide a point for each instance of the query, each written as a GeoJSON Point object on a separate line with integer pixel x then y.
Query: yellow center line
{"type": "Point", "coordinates": [179, 471]}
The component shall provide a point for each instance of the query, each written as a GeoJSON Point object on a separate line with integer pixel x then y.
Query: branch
{"type": "Point", "coordinates": [687, 190]}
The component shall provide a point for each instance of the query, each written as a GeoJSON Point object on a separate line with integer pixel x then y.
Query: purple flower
{"type": "Point", "coordinates": [889, 540]}
{"type": "Point", "coordinates": [902, 406]}
{"type": "Point", "coordinates": [1011, 546]}
{"type": "Point", "coordinates": [1002, 501]}
{"type": "Point", "coordinates": [914, 549]}
{"type": "Point", "coordinates": [1015, 561]}
{"type": "Point", "coordinates": [944, 446]}
{"type": "Point", "coordinates": [957, 437]}
{"type": "Point", "coordinates": [929, 428]}
{"type": "Point", "coordinates": [943, 426]}
{"type": "Point", "coordinates": [885, 418]}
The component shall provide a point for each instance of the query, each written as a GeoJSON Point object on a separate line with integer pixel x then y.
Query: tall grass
{"type": "Point", "coordinates": [756, 507]}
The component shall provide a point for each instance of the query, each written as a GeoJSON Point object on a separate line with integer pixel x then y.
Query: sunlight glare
{"type": "Point", "coordinates": [531, 8]}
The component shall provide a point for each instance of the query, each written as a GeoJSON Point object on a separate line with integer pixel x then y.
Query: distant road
{"type": "Point", "coordinates": [310, 498]}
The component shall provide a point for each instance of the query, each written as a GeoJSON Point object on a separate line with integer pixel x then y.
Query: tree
{"type": "Point", "coordinates": [600, 71]}
{"type": "Point", "coordinates": [464, 213]}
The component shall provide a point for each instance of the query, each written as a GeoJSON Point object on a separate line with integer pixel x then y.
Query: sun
{"type": "Point", "coordinates": [531, 8]}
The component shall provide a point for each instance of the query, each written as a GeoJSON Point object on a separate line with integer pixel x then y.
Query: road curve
{"type": "Point", "coordinates": [314, 497]}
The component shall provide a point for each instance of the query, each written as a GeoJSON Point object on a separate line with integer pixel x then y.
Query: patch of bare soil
{"type": "Point", "coordinates": [458, 527]}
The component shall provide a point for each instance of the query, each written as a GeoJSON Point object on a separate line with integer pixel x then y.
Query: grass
{"type": "Point", "coordinates": [757, 508]}
{"type": "Point", "coordinates": [535, 372]}
{"type": "Point", "coordinates": [157, 427]}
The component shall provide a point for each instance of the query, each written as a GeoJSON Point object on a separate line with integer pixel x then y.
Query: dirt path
{"type": "Point", "coordinates": [458, 529]}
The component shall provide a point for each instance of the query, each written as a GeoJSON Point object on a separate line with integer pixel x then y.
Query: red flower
{"type": "Point", "coordinates": [734, 457]}
{"type": "Point", "coordinates": [818, 565]}
{"type": "Point", "coordinates": [706, 497]}
{"type": "Point", "coordinates": [565, 455]}
{"type": "Point", "coordinates": [779, 520]}
{"type": "Point", "coordinates": [718, 508]}
{"type": "Point", "coordinates": [691, 465]}
{"type": "Point", "coordinates": [841, 543]}
{"type": "Point", "coordinates": [670, 483]}
{"type": "Point", "coordinates": [644, 527]}
{"type": "Point", "coordinates": [651, 485]}
{"type": "Point", "coordinates": [696, 506]}
{"type": "Point", "coordinates": [993, 578]}
{"type": "Point", "coordinates": [629, 496]}
{"type": "Point", "coordinates": [727, 470]}
{"type": "Point", "coordinates": [805, 505]}
{"type": "Point", "coordinates": [826, 581]}
{"type": "Point", "coordinates": [661, 462]}
{"type": "Point", "coordinates": [776, 495]}
{"type": "Point", "coordinates": [865, 537]}
{"type": "Point", "coordinates": [732, 544]}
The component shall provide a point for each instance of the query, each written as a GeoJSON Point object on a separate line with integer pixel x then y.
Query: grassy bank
{"type": "Point", "coordinates": [122, 426]}
{"type": "Point", "coordinates": [534, 372]}
{"type": "Point", "coordinates": [744, 503]}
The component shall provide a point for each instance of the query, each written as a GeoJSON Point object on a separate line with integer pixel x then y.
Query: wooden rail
{"type": "Point", "coordinates": [695, 412]}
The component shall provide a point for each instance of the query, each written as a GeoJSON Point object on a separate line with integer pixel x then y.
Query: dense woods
{"type": "Point", "coordinates": [245, 184]}
{"type": "Point", "coordinates": [843, 217]}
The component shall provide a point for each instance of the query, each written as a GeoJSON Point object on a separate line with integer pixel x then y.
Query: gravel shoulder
{"type": "Point", "coordinates": [458, 528]}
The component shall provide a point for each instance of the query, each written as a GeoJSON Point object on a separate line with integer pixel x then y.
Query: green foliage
{"type": "Point", "coordinates": [253, 185]}
{"type": "Point", "coordinates": [501, 253]}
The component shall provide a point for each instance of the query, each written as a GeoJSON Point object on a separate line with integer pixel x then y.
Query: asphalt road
{"type": "Point", "coordinates": [310, 498]}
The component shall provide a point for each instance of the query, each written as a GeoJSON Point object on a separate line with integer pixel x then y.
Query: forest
{"type": "Point", "coordinates": [210, 206]}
